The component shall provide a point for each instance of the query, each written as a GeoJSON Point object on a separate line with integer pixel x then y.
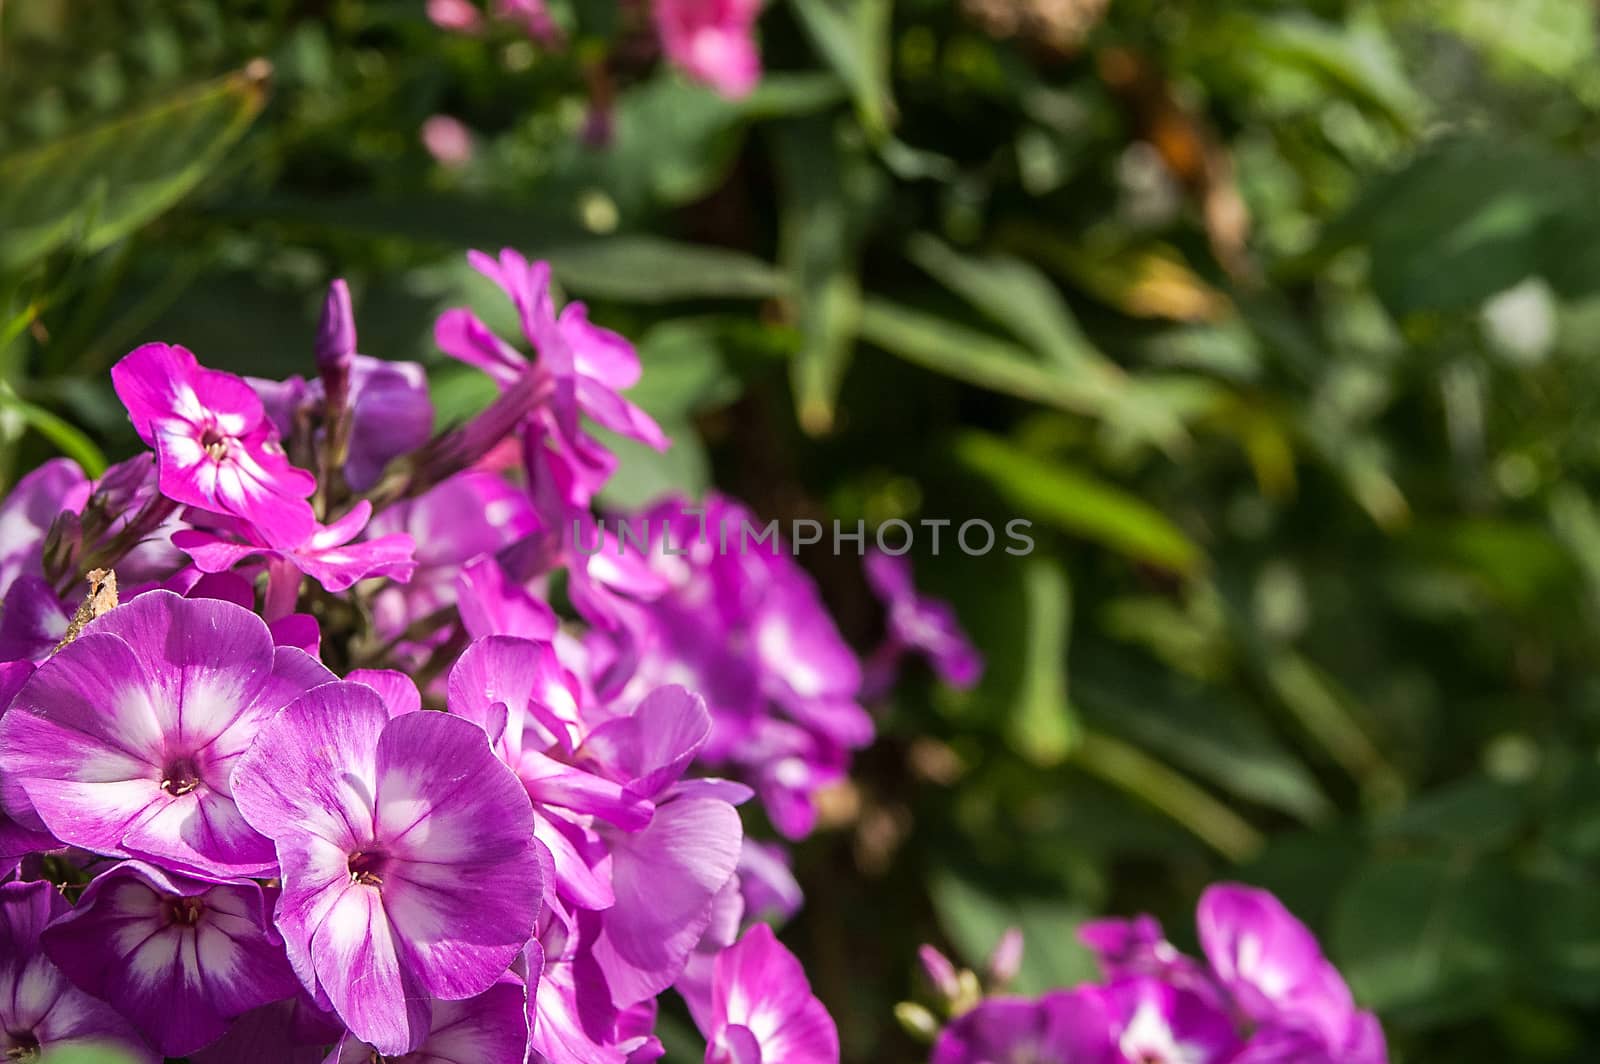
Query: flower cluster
{"type": "Point", "coordinates": [373, 753]}
{"type": "Point", "coordinates": [1265, 994]}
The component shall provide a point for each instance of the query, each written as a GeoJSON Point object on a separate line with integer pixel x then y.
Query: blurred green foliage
{"type": "Point", "coordinates": [1281, 321]}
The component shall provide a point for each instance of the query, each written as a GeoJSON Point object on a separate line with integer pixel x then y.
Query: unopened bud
{"type": "Point", "coordinates": [336, 332]}
{"type": "Point", "coordinates": [968, 995]}
{"type": "Point", "coordinates": [917, 1021]}
{"type": "Point", "coordinates": [1006, 960]}
{"type": "Point", "coordinates": [940, 972]}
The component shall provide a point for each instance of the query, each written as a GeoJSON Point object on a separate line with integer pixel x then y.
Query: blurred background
{"type": "Point", "coordinates": [1281, 322]}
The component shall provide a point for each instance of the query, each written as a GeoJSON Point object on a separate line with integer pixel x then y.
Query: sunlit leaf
{"type": "Point", "coordinates": [62, 434]}
{"type": "Point", "coordinates": [1014, 295]}
{"type": "Point", "coordinates": [1079, 503]}
{"type": "Point", "coordinates": [646, 269]}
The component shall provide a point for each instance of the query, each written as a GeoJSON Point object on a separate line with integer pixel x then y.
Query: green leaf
{"type": "Point", "coordinates": [1471, 217]}
{"type": "Point", "coordinates": [647, 269]}
{"type": "Point", "coordinates": [820, 231]}
{"type": "Point", "coordinates": [1015, 295]}
{"type": "Point", "coordinates": [95, 188]}
{"type": "Point", "coordinates": [1204, 732]}
{"type": "Point", "coordinates": [86, 1055]}
{"type": "Point", "coordinates": [1148, 409]}
{"type": "Point", "coordinates": [852, 36]}
{"type": "Point", "coordinates": [684, 371]}
{"type": "Point", "coordinates": [977, 358]}
{"type": "Point", "coordinates": [1359, 60]}
{"type": "Point", "coordinates": [674, 141]}
{"type": "Point", "coordinates": [1043, 726]}
{"type": "Point", "coordinates": [1427, 933]}
{"type": "Point", "coordinates": [61, 433]}
{"type": "Point", "coordinates": [1079, 503]}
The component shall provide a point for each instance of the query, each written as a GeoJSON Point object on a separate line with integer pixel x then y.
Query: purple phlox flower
{"type": "Point", "coordinates": [327, 554]}
{"type": "Point", "coordinates": [409, 865]}
{"type": "Point", "coordinates": [124, 741]}
{"type": "Point", "coordinates": [1272, 966]}
{"type": "Point", "coordinates": [762, 1008]}
{"type": "Point", "coordinates": [491, 603]}
{"type": "Point", "coordinates": [215, 447]}
{"type": "Point", "coordinates": [398, 691]}
{"type": "Point", "coordinates": [29, 510]}
{"type": "Point", "coordinates": [789, 765]}
{"type": "Point", "coordinates": [807, 667]}
{"type": "Point", "coordinates": [712, 41]}
{"type": "Point", "coordinates": [490, 1027]}
{"type": "Point", "coordinates": [742, 624]}
{"type": "Point", "coordinates": [916, 623]}
{"type": "Point", "coordinates": [766, 880]}
{"type": "Point", "coordinates": [293, 1031]}
{"type": "Point", "coordinates": [590, 367]}
{"type": "Point", "coordinates": [468, 516]}
{"type": "Point", "coordinates": [666, 876]}
{"type": "Point", "coordinates": [21, 830]}
{"type": "Point", "coordinates": [180, 957]}
{"type": "Point", "coordinates": [572, 1017]}
{"type": "Point", "coordinates": [297, 630]}
{"type": "Point", "coordinates": [33, 620]}
{"type": "Point", "coordinates": [1156, 1023]}
{"type": "Point", "coordinates": [1059, 1027]}
{"type": "Point", "coordinates": [40, 1010]}
{"type": "Point", "coordinates": [390, 412]}
{"type": "Point", "coordinates": [1138, 947]}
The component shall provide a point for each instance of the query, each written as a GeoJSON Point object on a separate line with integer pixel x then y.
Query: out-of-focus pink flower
{"type": "Point", "coordinates": [532, 17]}
{"type": "Point", "coordinates": [457, 16]}
{"type": "Point", "coordinates": [447, 140]}
{"type": "Point", "coordinates": [712, 41]}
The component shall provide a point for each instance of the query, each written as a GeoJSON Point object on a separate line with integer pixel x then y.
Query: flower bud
{"type": "Point", "coordinates": [940, 972]}
{"type": "Point", "coordinates": [1006, 960]}
{"type": "Point", "coordinates": [336, 340]}
{"type": "Point", "coordinates": [917, 1021]}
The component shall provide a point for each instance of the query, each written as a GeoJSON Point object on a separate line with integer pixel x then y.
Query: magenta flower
{"type": "Point", "coordinates": [590, 366]}
{"type": "Point", "coordinates": [1155, 1023]}
{"type": "Point", "coordinates": [125, 740]}
{"type": "Point", "coordinates": [21, 830]}
{"type": "Point", "coordinates": [178, 956]}
{"type": "Point", "coordinates": [390, 412]}
{"type": "Point", "coordinates": [1059, 1027]}
{"type": "Point", "coordinates": [762, 1008]}
{"type": "Point", "coordinates": [40, 1010]}
{"type": "Point", "coordinates": [214, 446]}
{"type": "Point", "coordinates": [327, 554]}
{"type": "Point", "coordinates": [409, 864]}
{"type": "Point", "coordinates": [1275, 971]}
{"type": "Point", "coordinates": [466, 517]}
{"type": "Point", "coordinates": [712, 41]}
{"type": "Point", "coordinates": [923, 625]}
{"type": "Point", "coordinates": [490, 1027]}
{"type": "Point", "coordinates": [27, 512]}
